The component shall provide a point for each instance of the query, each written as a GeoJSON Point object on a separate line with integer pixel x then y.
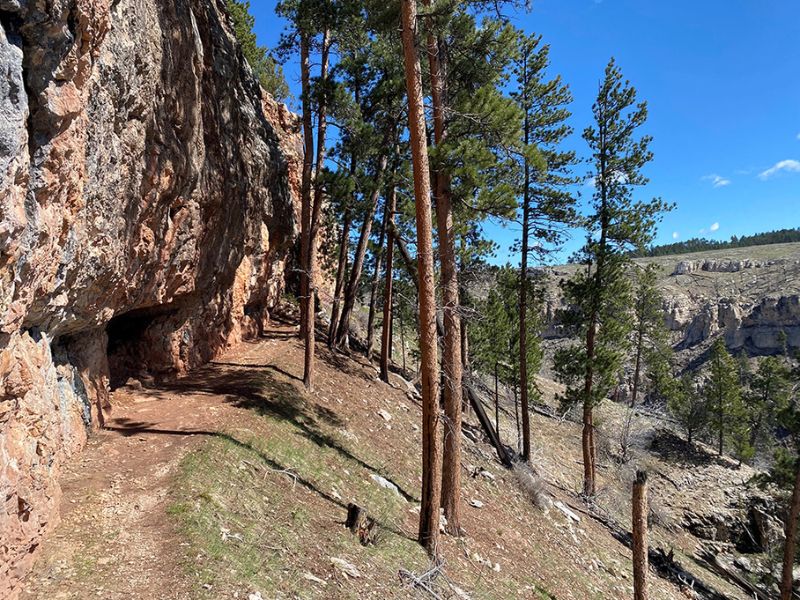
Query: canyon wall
{"type": "Point", "coordinates": [147, 208]}
{"type": "Point", "coordinates": [750, 297]}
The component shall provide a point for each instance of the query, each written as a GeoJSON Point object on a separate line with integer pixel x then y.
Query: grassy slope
{"type": "Point", "coordinates": [262, 506]}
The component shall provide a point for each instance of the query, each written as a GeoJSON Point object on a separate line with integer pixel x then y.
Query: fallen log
{"type": "Point", "coordinates": [706, 556]}
{"type": "Point", "coordinates": [486, 424]}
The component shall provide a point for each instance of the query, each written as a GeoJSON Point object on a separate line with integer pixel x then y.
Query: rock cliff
{"type": "Point", "coordinates": [749, 296]}
{"type": "Point", "coordinates": [147, 207]}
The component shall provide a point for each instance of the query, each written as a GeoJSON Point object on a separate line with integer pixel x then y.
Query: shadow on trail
{"type": "Point", "coordinates": [127, 428]}
{"type": "Point", "coordinates": [262, 392]}
{"type": "Point", "coordinates": [275, 368]}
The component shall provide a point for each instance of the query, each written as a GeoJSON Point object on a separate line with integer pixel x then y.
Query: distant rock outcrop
{"type": "Point", "coordinates": [685, 267]}
{"type": "Point", "coordinates": [749, 296]}
{"type": "Point", "coordinates": [147, 208]}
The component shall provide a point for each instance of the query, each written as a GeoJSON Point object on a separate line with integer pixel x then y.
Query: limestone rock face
{"type": "Point", "coordinates": [147, 206]}
{"type": "Point", "coordinates": [773, 323]}
{"type": "Point", "coordinates": [686, 267]}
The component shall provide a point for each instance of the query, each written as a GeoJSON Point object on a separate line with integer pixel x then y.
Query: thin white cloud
{"type": "Point", "coordinates": [798, 136]}
{"type": "Point", "coordinates": [714, 227]}
{"type": "Point", "coordinates": [703, 230]}
{"type": "Point", "coordinates": [717, 180]}
{"type": "Point", "coordinates": [675, 235]}
{"type": "Point", "coordinates": [791, 166]}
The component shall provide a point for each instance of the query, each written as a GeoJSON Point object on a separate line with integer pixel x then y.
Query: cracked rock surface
{"type": "Point", "coordinates": [147, 208]}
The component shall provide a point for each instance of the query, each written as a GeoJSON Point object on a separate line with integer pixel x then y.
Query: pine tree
{"type": "Point", "coordinates": [313, 23]}
{"type": "Point", "coordinates": [496, 334]}
{"type": "Point", "coordinates": [766, 399]}
{"type": "Point", "coordinates": [265, 67]}
{"type": "Point", "coordinates": [388, 291]}
{"type": "Point", "coordinates": [600, 297]}
{"type": "Point", "coordinates": [650, 336]}
{"type": "Point", "coordinates": [786, 473]}
{"type": "Point", "coordinates": [688, 405]}
{"type": "Point", "coordinates": [431, 434]}
{"type": "Point", "coordinates": [547, 208]}
{"type": "Point", "coordinates": [373, 75]}
{"type": "Point", "coordinates": [471, 131]}
{"type": "Point", "coordinates": [724, 397]}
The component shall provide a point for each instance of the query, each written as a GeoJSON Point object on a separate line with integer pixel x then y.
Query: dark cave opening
{"type": "Point", "coordinates": [132, 338]}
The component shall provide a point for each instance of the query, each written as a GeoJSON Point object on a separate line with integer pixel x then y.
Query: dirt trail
{"type": "Point", "coordinates": [115, 538]}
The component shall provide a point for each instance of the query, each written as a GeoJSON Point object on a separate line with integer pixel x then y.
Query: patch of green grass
{"type": "Point", "coordinates": [261, 510]}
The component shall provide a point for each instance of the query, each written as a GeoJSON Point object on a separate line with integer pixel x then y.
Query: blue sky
{"type": "Point", "coordinates": [722, 81]}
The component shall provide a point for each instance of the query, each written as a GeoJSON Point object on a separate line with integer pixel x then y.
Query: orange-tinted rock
{"type": "Point", "coordinates": [148, 197]}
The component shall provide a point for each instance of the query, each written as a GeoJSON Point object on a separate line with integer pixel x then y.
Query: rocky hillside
{"type": "Point", "coordinates": [234, 482]}
{"type": "Point", "coordinates": [146, 212]}
{"type": "Point", "coordinates": [751, 296]}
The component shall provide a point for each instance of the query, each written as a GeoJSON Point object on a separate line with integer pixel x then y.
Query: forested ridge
{"type": "Point", "coordinates": [779, 236]}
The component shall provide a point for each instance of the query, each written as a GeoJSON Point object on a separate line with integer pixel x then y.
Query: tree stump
{"type": "Point", "coordinates": [640, 547]}
{"type": "Point", "coordinates": [361, 524]}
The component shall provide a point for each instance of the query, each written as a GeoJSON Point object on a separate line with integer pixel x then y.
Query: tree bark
{"type": "Point", "coordinates": [790, 549]}
{"type": "Point", "coordinates": [637, 364]}
{"type": "Point", "coordinates": [451, 342]}
{"type": "Point", "coordinates": [431, 444]}
{"type": "Point", "coordinates": [496, 399]}
{"type": "Point", "coordinates": [386, 332]}
{"type": "Point", "coordinates": [305, 186]}
{"type": "Point", "coordinates": [523, 289]}
{"type": "Point", "coordinates": [341, 271]}
{"type": "Point", "coordinates": [402, 339]}
{"type": "Point", "coordinates": [351, 291]}
{"type": "Point", "coordinates": [376, 276]}
{"type": "Point", "coordinates": [587, 434]}
{"type": "Point", "coordinates": [640, 547]}
{"type": "Point", "coordinates": [316, 209]}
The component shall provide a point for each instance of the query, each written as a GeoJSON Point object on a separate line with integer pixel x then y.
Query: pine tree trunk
{"type": "Point", "coordinates": [376, 276]}
{"type": "Point", "coordinates": [790, 549]}
{"type": "Point", "coordinates": [311, 251]}
{"type": "Point", "coordinates": [402, 338]}
{"type": "Point", "coordinates": [496, 399]}
{"type": "Point", "coordinates": [341, 271]}
{"type": "Point", "coordinates": [388, 322]}
{"type": "Point", "coordinates": [343, 328]}
{"type": "Point", "coordinates": [516, 415]}
{"type": "Point", "coordinates": [431, 440]}
{"type": "Point", "coordinates": [451, 342]}
{"type": "Point", "coordinates": [640, 547]}
{"type": "Point", "coordinates": [637, 366]}
{"type": "Point", "coordinates": [305, 186]}
{"type": "Point", "coordinates": [464, 322]}
{"type": "Point", "coordinates": [587, 435]}
{"type": "Point", "coordinates": [523, 286]}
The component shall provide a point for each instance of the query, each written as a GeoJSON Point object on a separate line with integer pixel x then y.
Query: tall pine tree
{"type": "Point", "coordinates": [547, 207]}
{"type": "Point", "coordinates": [601, 295]}
{"type": "Point", "coordinates": [724, 396]}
